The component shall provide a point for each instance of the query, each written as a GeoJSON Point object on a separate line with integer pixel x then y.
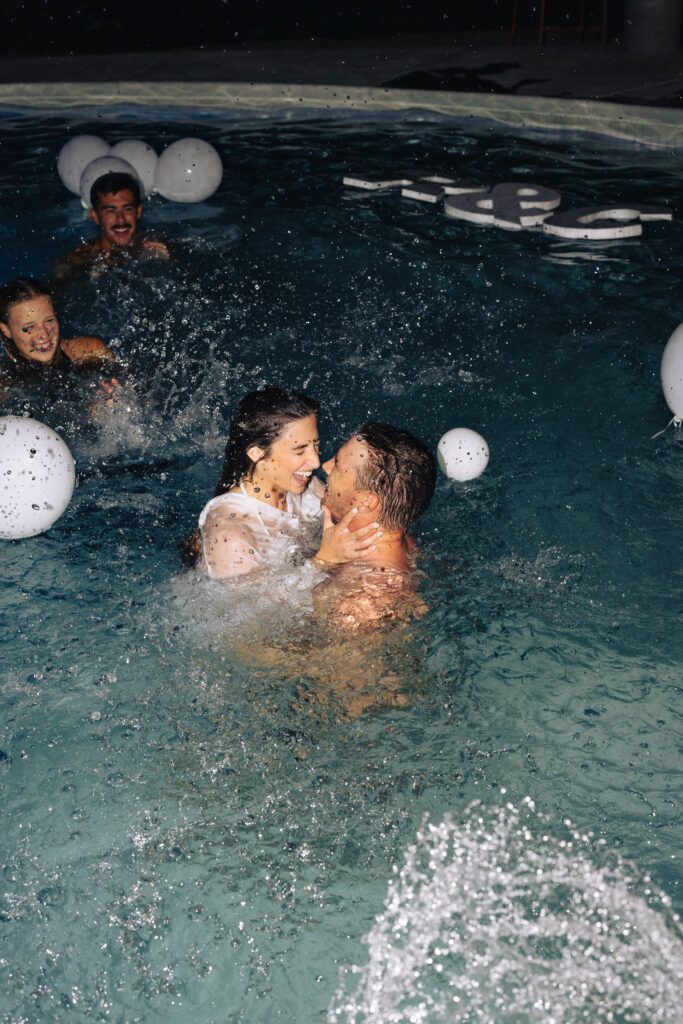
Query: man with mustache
{"type": "Point", "coordinates": [116, 208]}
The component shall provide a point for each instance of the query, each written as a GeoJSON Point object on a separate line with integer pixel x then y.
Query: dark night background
{"type": "Point", "coordinates": [41, 27]}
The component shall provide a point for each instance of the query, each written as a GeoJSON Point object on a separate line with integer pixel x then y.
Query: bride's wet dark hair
{"type": "Point", "coordinates": [260, 418]}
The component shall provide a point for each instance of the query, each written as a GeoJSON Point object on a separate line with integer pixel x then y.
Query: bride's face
{"type": "Point", "coordinates": [292, 458]}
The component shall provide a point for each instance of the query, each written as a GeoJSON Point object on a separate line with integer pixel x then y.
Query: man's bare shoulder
{"type": "Point", "coordinates": [77, 260]}
{"type": "Point", "coordinates": [82, 253]}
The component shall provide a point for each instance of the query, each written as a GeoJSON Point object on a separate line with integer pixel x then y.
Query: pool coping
{"type": "Point", "coordinates": [626, 124]}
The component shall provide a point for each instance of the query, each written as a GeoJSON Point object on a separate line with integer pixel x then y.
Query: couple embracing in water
{"type": "Point", "coordinates": [269, 501]}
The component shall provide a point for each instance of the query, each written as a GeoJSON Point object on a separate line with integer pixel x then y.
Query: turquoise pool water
{"type": "Point", "coordinates": [189, 839]}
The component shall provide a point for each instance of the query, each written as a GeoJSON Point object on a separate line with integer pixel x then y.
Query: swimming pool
{"type": "Point", "coordinates": [187, 839]}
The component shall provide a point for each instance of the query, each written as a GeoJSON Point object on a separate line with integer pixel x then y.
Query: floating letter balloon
{"type": "Point", "coordinates": [37, 477]}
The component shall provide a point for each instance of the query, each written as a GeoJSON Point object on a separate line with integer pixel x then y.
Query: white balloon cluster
{"type": "Point", "coordinates": [37, 477]}
{"type": "Point", "coordinates": [188, 171]}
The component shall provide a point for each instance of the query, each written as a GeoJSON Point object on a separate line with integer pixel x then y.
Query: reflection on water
{"type": "Point", "coordinates": [501, 917]}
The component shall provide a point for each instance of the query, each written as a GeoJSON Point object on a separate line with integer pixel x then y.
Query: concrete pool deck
{"type": "Point", "coordinates": [565, 86]}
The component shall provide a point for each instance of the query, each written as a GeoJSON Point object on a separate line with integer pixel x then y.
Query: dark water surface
{"type": "Point", "coordinates": [186, 839]}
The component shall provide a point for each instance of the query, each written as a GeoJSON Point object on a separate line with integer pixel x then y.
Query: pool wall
{"type": "Point", "coordinates": [624, 124]}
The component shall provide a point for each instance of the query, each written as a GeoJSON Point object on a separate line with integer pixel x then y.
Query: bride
{"type": "Point", "coordinates": [268, 503]}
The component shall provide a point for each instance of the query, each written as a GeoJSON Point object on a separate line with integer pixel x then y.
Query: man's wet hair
{"type": "Point", "coordinates": [114, 181]}
{"type": "Point", "coordinates": [401, 471]}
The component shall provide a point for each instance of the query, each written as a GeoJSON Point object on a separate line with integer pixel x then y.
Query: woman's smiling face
{"type": "Point", "coordinates": [33, 328]}
{"type": "Point", "coordinates": [292, 458]}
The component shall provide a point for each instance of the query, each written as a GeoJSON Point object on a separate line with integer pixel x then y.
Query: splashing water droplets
{"type": "Point", "coordinates": [490, 921]}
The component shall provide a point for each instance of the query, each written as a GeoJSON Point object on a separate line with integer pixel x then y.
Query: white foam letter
{"type": "Point", "coordinates": [512, 205]}
{"type": "Point", "coordinates": [603, 222]}
{"type": "Point", "coordinates": [430, 190]}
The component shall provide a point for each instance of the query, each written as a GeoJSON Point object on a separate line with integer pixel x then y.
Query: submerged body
{"type": "Point", "coordinates": [356, 651]}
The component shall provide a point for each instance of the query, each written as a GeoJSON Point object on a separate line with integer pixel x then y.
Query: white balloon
{"type": "Point", "coordinates": [142, 157]}
{"type": "Point", "coordinates": [188, 171]}
{"type": "Point", "coordinates": [672, 372]}
{"type": "Point", "coordinates": [463, 454]}
{"type": "Point", "coordinates": [37, 477]}
{"type": "Point", "coordinates": [104, 165]}
{"type": "Point", "coordinates": [74, 157]}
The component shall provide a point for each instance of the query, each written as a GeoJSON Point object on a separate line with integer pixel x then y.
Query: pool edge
{"type": "Point", "coordinates": [655, 127]}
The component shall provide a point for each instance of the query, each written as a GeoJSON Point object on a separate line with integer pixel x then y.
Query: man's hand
{"type": "Point", "coordinates": [159, 249]}
{"type": "Point", "coordinates": [107, 389]}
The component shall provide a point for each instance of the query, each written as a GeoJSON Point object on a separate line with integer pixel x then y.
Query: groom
{"type": "Point", "coordinates": [389, 475]}
{"type": "Point", "coordinates": [360, 652]}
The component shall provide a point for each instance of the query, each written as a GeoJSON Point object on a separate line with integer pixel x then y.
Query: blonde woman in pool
{"type": "Point", "coordinates": [268, 500]}
{"type": "Point", "coordinates": [33, 347]}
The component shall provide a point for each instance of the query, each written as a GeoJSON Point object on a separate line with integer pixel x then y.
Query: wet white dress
{"type": "Point", "coordinates": [241, 535]}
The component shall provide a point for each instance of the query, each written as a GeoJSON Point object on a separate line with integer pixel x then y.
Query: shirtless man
{"type": "Point", "coordinates": [365, 610]}
{"type": "Point", "coordinates": [357, 651]}
{"type": "Point", "coordinates": [116, 208]}
{"type": "Point", "coordinates": [388, 475]}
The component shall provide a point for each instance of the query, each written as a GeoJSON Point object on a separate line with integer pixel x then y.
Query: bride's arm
{"type": "Point", "coordinates": [228, 548]}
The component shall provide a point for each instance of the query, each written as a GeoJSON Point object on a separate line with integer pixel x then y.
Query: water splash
{"type": "Point", "coordinates": [497, 921]}
{"type": "Point", "coordinates": [121, 425]}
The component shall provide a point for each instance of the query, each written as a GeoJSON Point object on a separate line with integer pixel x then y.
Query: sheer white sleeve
{"type": "Point", "coordinates": [228, 547]}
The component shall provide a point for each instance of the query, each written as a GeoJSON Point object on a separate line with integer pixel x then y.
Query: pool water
{"type": "Point", "coordinates": [189, 837]}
